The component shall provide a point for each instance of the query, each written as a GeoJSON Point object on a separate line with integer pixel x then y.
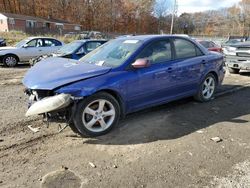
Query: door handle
{"type": "Point", "coordinates": [170, 69]}
{"type": "Point", "coordinates": [204, 62]}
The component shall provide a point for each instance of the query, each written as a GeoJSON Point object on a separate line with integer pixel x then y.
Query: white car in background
{"type": "Point", "coordinates": [27, 49]}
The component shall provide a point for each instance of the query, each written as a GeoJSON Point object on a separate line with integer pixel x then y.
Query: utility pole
{"type": "Point", "coordinates": [173, 14]}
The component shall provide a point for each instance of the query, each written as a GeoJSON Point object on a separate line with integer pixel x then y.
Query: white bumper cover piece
{"type": "Point", "coordinates": [49, 104]}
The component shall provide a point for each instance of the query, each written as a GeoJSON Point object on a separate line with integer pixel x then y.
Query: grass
{"type": "Point", "coordinates": [14, 37]}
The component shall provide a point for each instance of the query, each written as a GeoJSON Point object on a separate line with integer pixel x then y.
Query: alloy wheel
{"type": "Point", "coordinates": [99, 115]}
{"type": "Point", "coordinates": [10, 61]}
{"type": "Point", "coordinates": [208, 87]}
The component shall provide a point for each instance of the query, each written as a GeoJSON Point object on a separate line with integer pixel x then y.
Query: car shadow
{"type": "Point", "coordinates": [245, 73]}
{"type": "Point", "coordinates": [176, 119]}
{"type": "Point", "coordinates": [18, 66]}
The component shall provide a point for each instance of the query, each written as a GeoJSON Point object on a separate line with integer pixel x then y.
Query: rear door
{"type": "Point", "coordinates": [190, 60]}
{"type": "Point", "coordinates": [50, 46]}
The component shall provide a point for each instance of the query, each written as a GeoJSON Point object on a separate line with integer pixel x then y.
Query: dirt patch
{"type": "Point", "coordinates": [239, 177]}
{"type": "Point", "coordinates": [165, 146]}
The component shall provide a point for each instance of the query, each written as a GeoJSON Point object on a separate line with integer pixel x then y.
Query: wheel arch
{"type": "Point", "coordinates": [215, 75]}
{"type": "Point", "coordinates": [11, 54]}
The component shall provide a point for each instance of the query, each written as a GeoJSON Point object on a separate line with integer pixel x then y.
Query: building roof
{"type": "Point", "coordinates": [39, 19]}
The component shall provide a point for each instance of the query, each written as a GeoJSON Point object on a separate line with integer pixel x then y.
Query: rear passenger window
{"type": "Point", "coordinates": [48, 43]}
{"type": "Point", "coordinates": [157, 52]}
{"type": "Point", "coordinates": [51, 42]}
{"type": "Point", "coordinates": [186, 49]}
{"type": "Point", "coordinates": [56, 42]}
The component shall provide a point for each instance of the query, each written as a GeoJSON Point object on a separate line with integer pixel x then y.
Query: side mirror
{"type": "Point", "coordinates": [141, 63]}
{"type": "Point", "coordinates": [25, 46]}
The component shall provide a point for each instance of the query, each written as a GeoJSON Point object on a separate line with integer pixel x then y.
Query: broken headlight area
{"type": "Point", "coordinates": [53, 106]}
{"type": "Point", "coordinates": [37, 95]}
{"type": "Point", "coordinates": [43, 101]}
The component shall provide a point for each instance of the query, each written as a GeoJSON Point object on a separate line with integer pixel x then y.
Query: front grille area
{"type": "Point", "coordinates": [39, 94]}
{"type": "Point", "coordinates": [42, 93]}
{"type": "Point", "coordinates": [243, 54]}
{"type": "Point", "coordinates": [243, 48]}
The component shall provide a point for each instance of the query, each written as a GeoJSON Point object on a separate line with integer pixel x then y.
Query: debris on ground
{"type": "Point", "coordinates": [65, 167]}
{"type": "Point", "coordinates": [114, 166]}
{"type": "Point", "coordinates": [216, 139]}
{"type": "Point", "coordinates": [35, 130]}
{"type": "Point", "coordinates": [92, 165]}
{"type": "Point", "coordinates": [200, 131]}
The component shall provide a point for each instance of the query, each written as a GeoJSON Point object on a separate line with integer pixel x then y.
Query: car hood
{"type": "Point", "coordinates": [60, 54]}
{"type": "Point", "coordinates": [55, 72]}
{"type": "Point", "coordinates": [241, 44]}
{"type": "Point", "coordinates": [7, 48]}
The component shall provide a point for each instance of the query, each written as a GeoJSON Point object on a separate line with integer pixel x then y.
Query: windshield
{"type": "Point", "coordinates": [21, 43]}
{"type": "Point", "coordinates": [233, 41]}
{"type": "Point", "coordinates": [113, 53]}
{"type": "Point", "coordinates": [70, 48]}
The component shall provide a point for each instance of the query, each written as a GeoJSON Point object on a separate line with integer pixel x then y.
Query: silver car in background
{"type": "Point", "coordinates": [28, 48]}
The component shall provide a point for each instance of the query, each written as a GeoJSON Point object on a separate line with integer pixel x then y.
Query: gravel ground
{"type": "Point", "coordinates": [165, 146]}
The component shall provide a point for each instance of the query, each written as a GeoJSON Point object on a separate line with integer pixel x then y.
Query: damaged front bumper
{"type": "Point", "coordinates": [49, 104]}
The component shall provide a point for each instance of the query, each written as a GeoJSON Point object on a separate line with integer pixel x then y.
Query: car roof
{"type": "Point", "coordinates": [203, 40]}
{"type": "Point", "coordinates": [90, 40]}
{"type": "Point", "coordinates": [149, 37]}
{"type": "Point", "coordinates": [30, 38]}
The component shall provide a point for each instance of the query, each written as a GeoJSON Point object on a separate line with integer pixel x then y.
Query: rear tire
{"type": "Point", "coordinates": [233, 71]}
{"type": "Point", "coordinates": [96, 115]}
{"type": "Point", "coordinates": [207, 89]}
{"type": "Point", "coordinates": [10, 60]}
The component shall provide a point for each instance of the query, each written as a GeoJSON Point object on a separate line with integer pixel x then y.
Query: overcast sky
{"type": "Point", "coordinates": [203, 5]}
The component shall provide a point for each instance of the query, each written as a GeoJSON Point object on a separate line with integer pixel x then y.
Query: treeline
{"type": "Point", "coordinates": [118, 16]}
{"type": "Point", "coordinates": [136, 16]}
{"type": "Point", "coordinates": [234, 20]}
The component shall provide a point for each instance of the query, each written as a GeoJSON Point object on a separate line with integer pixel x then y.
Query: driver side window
{"type": "Point", "coordinates": [32, 43]}
{"type": "Point", "coordinates": [157, 52]}
{"type": "Point", "coordinates": [35, 43]}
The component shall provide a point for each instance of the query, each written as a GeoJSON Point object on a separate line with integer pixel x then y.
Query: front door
{"type": "Point", "coordinates": [31, 50]}
{"type": "Point", "coordinates": [154, 84]}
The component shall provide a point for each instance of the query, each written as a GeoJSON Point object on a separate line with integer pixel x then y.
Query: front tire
{"type": "Point", "coordinates": [233, 71]}
{"type": "Point", "coordinates": [10, 60]}
{"type": "Point", "coordinates": [96, 115]}
{"type": "Point", "coordinates": [207, 89]}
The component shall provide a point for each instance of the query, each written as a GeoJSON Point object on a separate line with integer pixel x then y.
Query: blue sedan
{"type": "Point", "coordinates": [74, 50]}
{"type": "Point", "coordinates": [122, 76]}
